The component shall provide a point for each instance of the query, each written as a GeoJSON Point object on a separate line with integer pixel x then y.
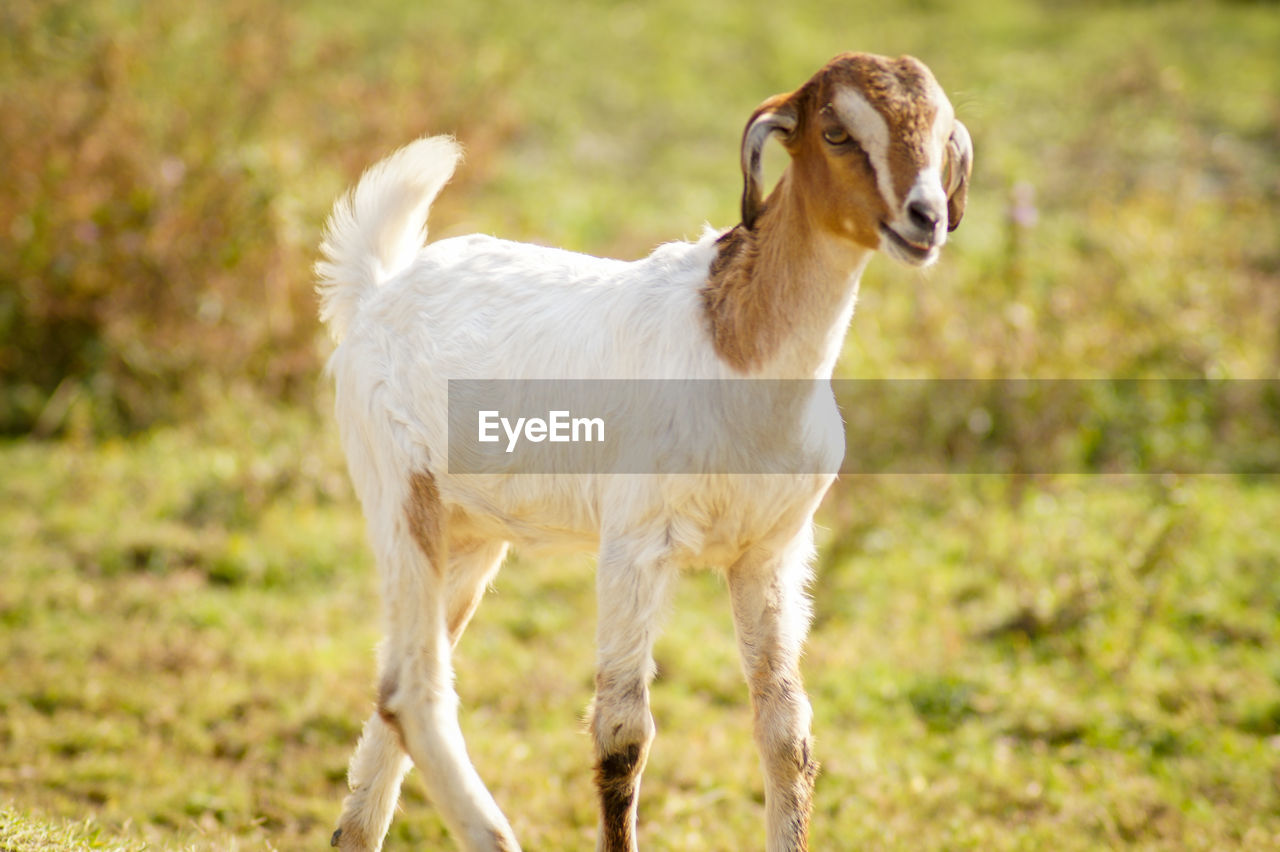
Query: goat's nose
{"type": "Point", "coordinates": [924, 216]}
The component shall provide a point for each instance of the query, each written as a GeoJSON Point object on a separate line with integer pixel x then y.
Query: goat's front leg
{"type": "Point", "coordinates": [631, 592]}
{"type": "Point", "coordinates": [771, 615]}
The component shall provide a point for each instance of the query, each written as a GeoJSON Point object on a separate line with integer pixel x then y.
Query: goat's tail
{"type": "Point", "coordinates": [376, 230]}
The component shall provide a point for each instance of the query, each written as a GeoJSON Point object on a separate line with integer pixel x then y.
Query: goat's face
{"type": "Point", "coordinates": [878, 156]}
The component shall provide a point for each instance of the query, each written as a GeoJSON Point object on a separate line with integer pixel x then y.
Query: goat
{"type": "Point", "coordinates": [877, 161]}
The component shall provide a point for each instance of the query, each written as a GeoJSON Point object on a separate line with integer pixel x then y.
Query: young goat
{"type": "Point", "coordinates": [877, 161]}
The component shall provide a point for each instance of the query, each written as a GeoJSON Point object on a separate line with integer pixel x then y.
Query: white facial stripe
{"type": "Point", "coordinates": [865, 123]}
{"type": "Point", "coordinates": [928, 189]}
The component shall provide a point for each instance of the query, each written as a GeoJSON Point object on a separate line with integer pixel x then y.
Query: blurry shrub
{"type": "Point", "coordinates": [137, 253]}
{"type": "Point", "coordinates": [159, 218]}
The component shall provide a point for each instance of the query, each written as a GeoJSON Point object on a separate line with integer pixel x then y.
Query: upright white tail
{"type": "Point", "coordinates": [375, 230]}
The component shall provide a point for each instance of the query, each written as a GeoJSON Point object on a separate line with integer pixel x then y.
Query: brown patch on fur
{"type": "Point", "coordinates": [616, 781]}
{"type": "Point", "coordinates": [803, 803]}
{"type": "Point", "coordinates": [618, 764]}
{"type": "Point", "coordinates": [426, 519]}
{"type": "Point", "coordinates": [502, 843]}
{"type": "Point", "coordinates": [731, 314]}
{"type": "Point", "coordinates": [386, 689]}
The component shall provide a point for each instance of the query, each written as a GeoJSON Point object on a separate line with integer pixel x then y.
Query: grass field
{"type": "Point", "coordinates": [1077, 662]}
{"type": "Point", "coordinates": [187, 604]}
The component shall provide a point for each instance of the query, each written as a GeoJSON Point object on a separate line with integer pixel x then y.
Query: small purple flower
{"type": "Point", "coordinates": [172, 171]}
{"type": "Point", "coordinates": [1022, 205]}
{"type": "Point", "coordinates": [86, 232]}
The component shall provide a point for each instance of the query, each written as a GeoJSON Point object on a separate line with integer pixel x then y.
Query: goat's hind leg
{"type": "Point", "coordinates": [379, 764]}
{"type": "Point", "coordinates": [377, 769]}
{"type": "Point", "coordinates": [417, 704]}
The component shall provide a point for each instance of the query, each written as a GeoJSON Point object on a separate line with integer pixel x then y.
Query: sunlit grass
{"type": "Point", "coordinates": [1079, 661]}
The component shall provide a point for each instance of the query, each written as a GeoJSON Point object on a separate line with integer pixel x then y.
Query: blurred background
{"type": "Point", "coordinates": [187, 607]}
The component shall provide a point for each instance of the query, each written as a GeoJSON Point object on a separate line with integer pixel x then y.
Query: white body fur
{"type": "Point", "coordinates": [409, 319]}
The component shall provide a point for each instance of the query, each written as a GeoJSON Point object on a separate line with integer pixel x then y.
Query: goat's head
{"type": "Point", "coordinates": [875, 148]}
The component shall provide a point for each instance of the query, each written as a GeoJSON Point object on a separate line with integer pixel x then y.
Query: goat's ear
{"type": "Point", "coordinates": [959, 167]}
{"type": "Point", "coordinates": [776, 115]}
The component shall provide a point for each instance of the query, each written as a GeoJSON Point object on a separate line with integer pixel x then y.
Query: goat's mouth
{"type": "Point", "coordinates": [908, 251]}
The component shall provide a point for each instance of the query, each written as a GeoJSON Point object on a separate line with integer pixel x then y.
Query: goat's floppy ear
{"type": "Point", "coordinates": [959, 167]}
{"type": "Point", "coordinates": [776, 115]}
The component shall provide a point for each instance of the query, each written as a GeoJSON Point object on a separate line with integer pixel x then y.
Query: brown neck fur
{"type": "Point", "coordinates": [738, 311]}
{"type": "Point", "coordinates": [771, 285]}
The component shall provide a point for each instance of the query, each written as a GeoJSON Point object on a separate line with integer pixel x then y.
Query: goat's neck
{"type": "Point", "coordinates": [780, 295]}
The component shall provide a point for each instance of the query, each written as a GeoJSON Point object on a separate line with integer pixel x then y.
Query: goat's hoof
{"type": "Point", "coordinates": [337, 838]}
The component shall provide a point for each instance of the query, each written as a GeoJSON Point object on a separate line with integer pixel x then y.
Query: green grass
{"type": "Point", "coordinates": [188, 614]}
{"type": "Point", "coordinates": [1069, 662]}
{"type": "Point", "coordinates": [24, 833]}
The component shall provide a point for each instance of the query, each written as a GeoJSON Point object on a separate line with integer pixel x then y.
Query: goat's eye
{"type": "Point", "coordinates": [836, 135]}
